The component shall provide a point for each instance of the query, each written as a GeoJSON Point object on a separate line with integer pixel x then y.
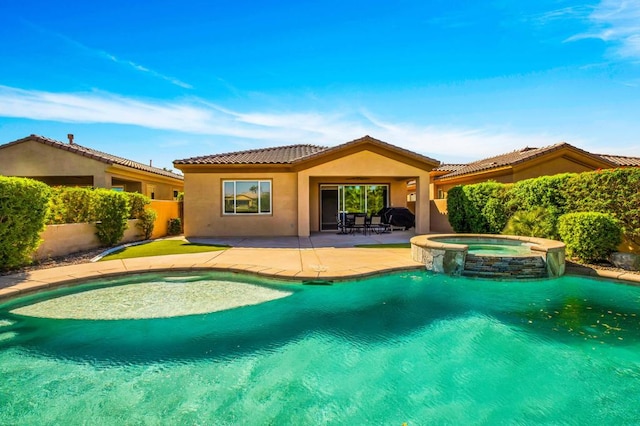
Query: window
{"type": "Point", "coordinates": [247, 196]}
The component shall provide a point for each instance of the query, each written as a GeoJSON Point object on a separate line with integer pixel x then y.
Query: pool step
{"type": "Point", "coordinates": [506, 267]}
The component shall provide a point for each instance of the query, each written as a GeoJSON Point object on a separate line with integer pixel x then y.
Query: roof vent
{"type": "Point", "coordinates": [70, 137]}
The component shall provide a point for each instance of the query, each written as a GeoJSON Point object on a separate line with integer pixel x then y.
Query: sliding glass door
{"type": "Point", "coordinates": [369, 199]}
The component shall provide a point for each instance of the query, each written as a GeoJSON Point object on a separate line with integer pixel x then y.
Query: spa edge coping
{"type": "Point", "coordinates": [537, 244]}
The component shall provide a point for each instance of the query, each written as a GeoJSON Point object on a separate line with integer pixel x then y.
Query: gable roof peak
{"type": "Point", "coordinates": [94, 154]}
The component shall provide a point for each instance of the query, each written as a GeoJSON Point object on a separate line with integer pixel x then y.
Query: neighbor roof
{"type": "Point", "coordinates": [622, 161]}
{"type": "Point", "coordinates": [292, 154]}
{"type": "Point", "coordinates": [95, 155]}
{"type": "Point", "coordinates": [517, 157]}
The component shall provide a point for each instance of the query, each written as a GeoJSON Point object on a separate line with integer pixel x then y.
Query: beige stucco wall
{"type": "Point", "coordinates": [33, 159]}
{"type": "Point", "coordinates": [203, 214]}
{"type": "Point", "coordinates": [550, 167]}
{"type": "Point", "coordinates": [439, 217]}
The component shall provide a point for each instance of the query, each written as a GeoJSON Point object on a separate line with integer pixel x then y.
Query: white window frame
{"type": "Point", "coordinates": [259, 183]}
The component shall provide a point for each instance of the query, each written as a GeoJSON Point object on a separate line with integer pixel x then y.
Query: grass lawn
{"type": "Point", "coordinates": [160, 248]}
{"type": "Point", "coordinates": [392, 245]}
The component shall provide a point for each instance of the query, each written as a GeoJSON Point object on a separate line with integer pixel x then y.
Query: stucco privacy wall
{"type": "Point", "coordinates": [364, 167]}
{"type": "Point", "coordinates": [203, 215]}
{"type": "Point", "coordinates": [60, 240]}
{"type": "Point", "coordinates": [165, 210]}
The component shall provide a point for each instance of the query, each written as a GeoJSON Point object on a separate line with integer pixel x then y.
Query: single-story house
{"type": "Point", "coordinates": [512, 167]}
{"type": "Point", "coordinates": [69, 164]}
{"type": "Point", "coordinates": [298, 189]}
{"type": "Point", "coordinates": [524, 164]}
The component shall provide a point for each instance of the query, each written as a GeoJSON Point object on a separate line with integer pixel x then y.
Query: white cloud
{"type": "Point", "coordinates": [616, 22]}
{"type": "Point", "coordinates": [263, 128]}
{"type": "Point", "coordinates": [108, 56]}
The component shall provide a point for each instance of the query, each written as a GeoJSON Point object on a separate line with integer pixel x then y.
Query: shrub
{"type": "Point", "coordinates": [112, 211]}
{"type": "Point", "coordinates": [531, 223]}
{"type": "Point", "coordinates": [137, 203]}
{"type": "Point", "coordinates": [477, 208]}
{"type": "Point", "coordinates": [590, 236]}
{"type": "Point", "coordinates": [615, 191]}
{"type": "Point", "coordinates": [70, 205]}
{"type": "Point", "coordinates": [146, 222]}
{"type": "Point", "coordinates": [175, 226]}
{"type": "Point", "coordinates": [456, 201]}
{"type": "Point", "coordinates": [23, 210]}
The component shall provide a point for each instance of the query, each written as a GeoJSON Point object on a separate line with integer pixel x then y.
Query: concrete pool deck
{"type": "Point", "coordinates": [324, 256]}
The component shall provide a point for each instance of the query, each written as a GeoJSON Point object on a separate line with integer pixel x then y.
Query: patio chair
{"type": "Point", "coordinates": [359, 224]}
{"type": "Point", "coordinates": [377, 226]}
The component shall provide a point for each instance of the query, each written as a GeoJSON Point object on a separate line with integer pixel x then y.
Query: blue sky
{"type": "Point", "coordinates": [454, 80]}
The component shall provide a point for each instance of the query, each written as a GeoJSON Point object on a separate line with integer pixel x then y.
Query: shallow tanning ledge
{"type": "Point", "coordinates": [489, 255]}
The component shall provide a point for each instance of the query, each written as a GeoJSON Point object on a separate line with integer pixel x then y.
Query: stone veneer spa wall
{"type": "Point", "coordinates": [449, 254]}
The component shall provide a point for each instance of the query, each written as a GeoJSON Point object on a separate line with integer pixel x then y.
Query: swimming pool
{"type": "Point", "coordinates": [411, 347]}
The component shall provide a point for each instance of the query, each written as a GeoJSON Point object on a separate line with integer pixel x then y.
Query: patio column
{"type": "Point", "coordinates": [423, 225]}
{"type": "Point", "coordinates": [303, 205]}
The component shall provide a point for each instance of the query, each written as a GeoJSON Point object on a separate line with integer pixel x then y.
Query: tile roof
{"type": "Point", "coordinates": [278, 155]}
{"type": "Point", "coordinates": [291, 154]}
{"type": "Point", "coordinates": [449, 167]}
{"type": "Point", "coordinates": [96, 155]}
{"type": "Point", "coordinates": [622, 161]}
{"type": "Point", "coordinates": [513, 158]}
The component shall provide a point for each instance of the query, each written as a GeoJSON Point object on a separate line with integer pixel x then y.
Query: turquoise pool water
{"type": "Point", "coordinates": [487, 246]}
{"type": "Point", "coordinates": [408, 347]}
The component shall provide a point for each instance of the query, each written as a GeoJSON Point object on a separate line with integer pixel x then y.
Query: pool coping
{"type": "Point", "coordinates": [291, 264]}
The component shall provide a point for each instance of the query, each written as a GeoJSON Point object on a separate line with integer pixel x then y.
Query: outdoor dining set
{"type": "Point", "coordinates": [351, 223]}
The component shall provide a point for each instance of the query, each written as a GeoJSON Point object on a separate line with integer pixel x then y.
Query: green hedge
{"type": "Point", "coordinates": [23, 210]}
{"type": "Point", "coordinates": [590, 236]}
{"type": "Point", "coordinates": [137, 203]}
{"type": "Point", "coordinates": [615, 191]}
{"type": "Point", "coordinates": [111, 214]}
{"type": "Point", "coordinates": [146, 222]}
{"type": "Point", "coordinates": [71, 205]}
{"type": "Point", "coordinates": [478, 208]}
{"type": "Point", "coordinates": [481, 208]}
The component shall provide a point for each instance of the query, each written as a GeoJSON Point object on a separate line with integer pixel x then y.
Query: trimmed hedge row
{"type": "Point", "coordinates": [23, 209]}
{"type": "Point", "coordinates": [27, 205]}
{"type": "Point", "coordinates": [82, 205]}
{"type": "Point", "coordinates": [534, 206]}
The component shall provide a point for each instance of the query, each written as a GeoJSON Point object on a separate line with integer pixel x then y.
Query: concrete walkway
{"type": "Point", "coordinates": [323, 256]}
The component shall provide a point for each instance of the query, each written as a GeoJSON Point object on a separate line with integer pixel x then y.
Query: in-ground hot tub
{"type": "Point", "coordinates": [488, 255]}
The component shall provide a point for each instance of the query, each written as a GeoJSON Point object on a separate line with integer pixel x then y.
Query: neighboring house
{"type": "Point", "coordinates": [513, 167]}
{"type": "Point", "coordinates": [69, 164]}
{"type": "Point", "coordinates": [298, 189]}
